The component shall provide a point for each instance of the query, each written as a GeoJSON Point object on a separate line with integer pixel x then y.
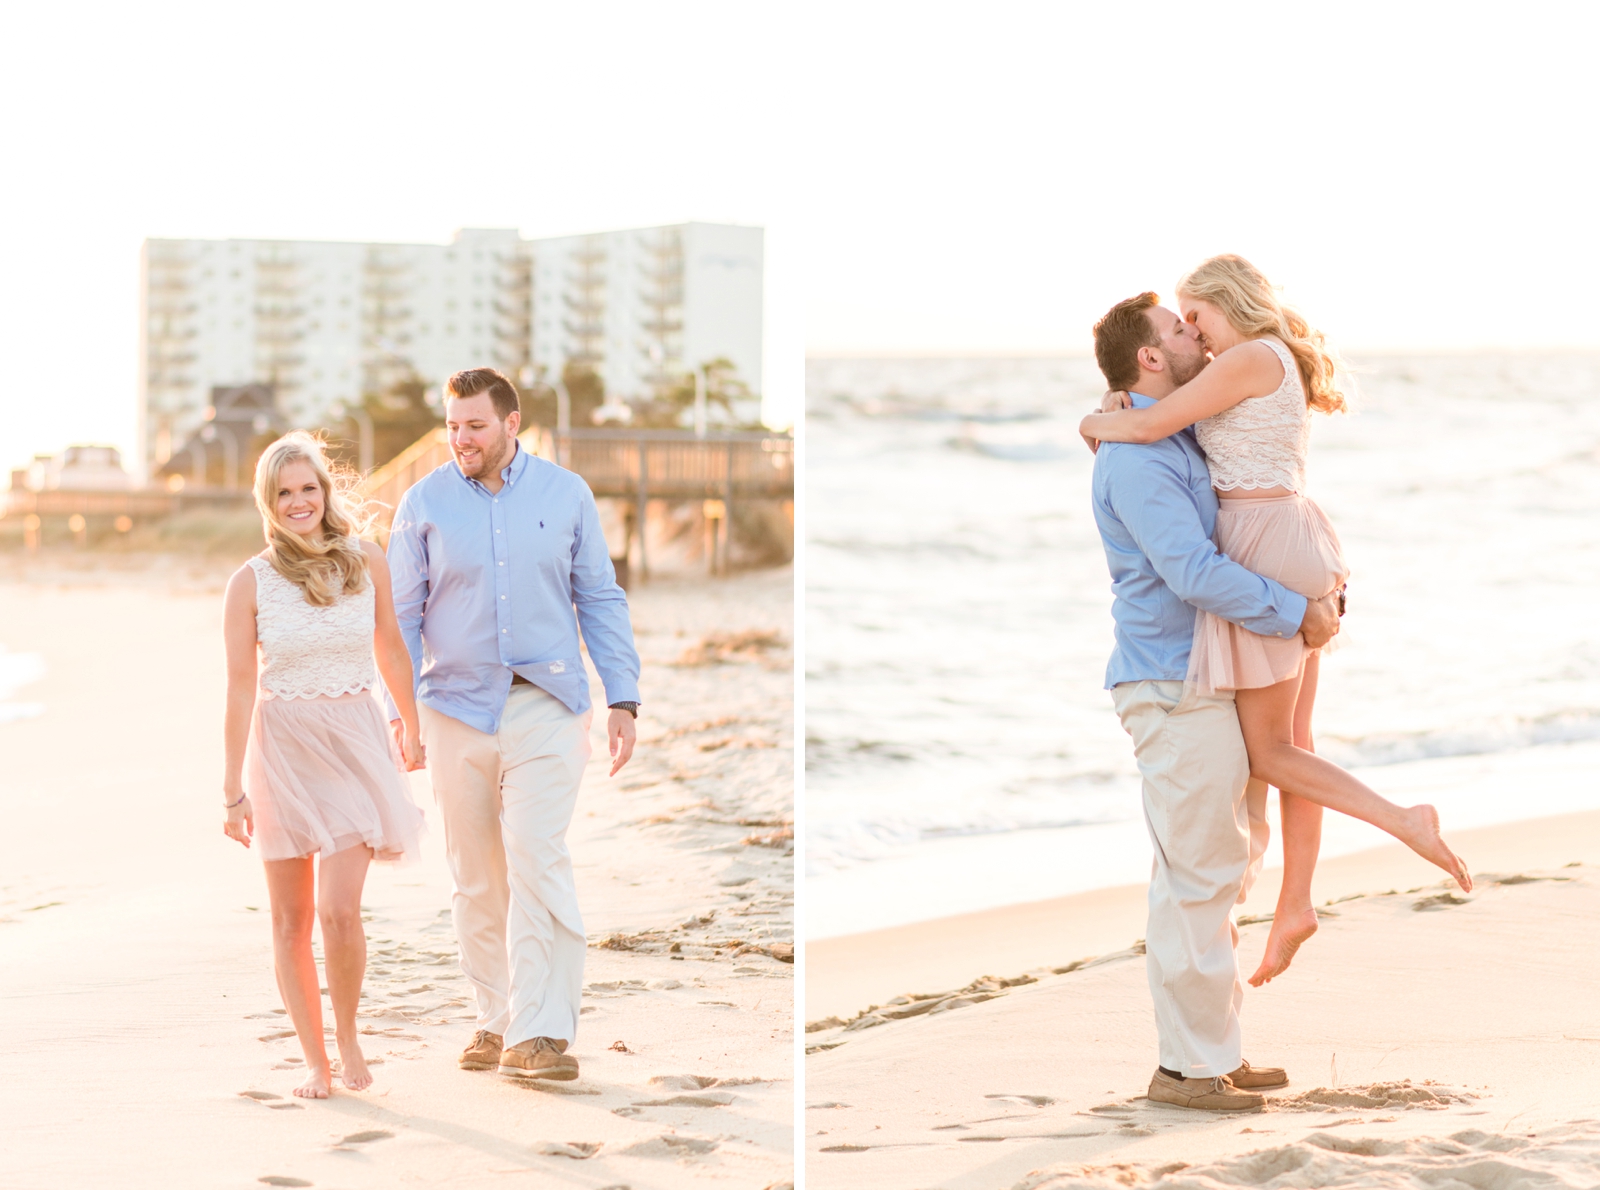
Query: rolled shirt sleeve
{"type": "Point", "coordinates": [602, 607]}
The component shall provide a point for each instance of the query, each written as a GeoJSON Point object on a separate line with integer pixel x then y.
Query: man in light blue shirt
{"type": "Point", "coordinates": [1156, 510]}
{"type": "Point", "coordinates": [497, 561]}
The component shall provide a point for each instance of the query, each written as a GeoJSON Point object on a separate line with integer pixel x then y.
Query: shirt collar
{"type": "Point", "coordinates": [518, 464]}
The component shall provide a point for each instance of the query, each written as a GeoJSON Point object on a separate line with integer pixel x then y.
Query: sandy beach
{"type": "Point", "coordinates": [144, 1042]}
{"type": "Point", "coordinates": [1432, 1038]}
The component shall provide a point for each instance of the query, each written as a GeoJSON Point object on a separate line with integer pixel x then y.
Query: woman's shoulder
{"type": "Point", "coordinates": [242, 583]}
{"type": "Point", "coordinates": [1261, 360]}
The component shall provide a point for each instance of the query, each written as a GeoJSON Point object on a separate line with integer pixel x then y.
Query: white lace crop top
{"type": "Point", "coordinates": [1261, 442]}
{"type": "Point", "coordinates": [309, 651]}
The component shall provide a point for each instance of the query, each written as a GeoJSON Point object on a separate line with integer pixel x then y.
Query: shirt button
{"type": "Point", "coordinates": [503, 631]}
{"type": "Point", "coordinates": [499, 563]}
{"type": "Point", "coordinates": [502, 597]}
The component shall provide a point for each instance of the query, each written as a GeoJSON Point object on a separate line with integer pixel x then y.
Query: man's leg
{"type": "Point", "coordinates": [1192, 758]}
{"type": "Point", "coordinates": [464, 766]}
{"type": "Point", "coordinates": [544, 747]}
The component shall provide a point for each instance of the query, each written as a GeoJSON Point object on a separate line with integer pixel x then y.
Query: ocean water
{"type": "Point", "coordinates": [961, 751]}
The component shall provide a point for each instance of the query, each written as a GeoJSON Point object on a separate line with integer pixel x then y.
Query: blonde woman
{"type": "Point", "coordinates": [311, 770]}
{"type": "Point", "coordinates": [1251, 410]}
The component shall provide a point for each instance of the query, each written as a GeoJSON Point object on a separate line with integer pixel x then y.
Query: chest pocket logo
{"type": "Point", "coordinates": [558, 667]}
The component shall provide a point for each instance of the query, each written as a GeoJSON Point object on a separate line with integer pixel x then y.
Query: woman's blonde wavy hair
{"type": "Point", "coordinates": [328, 564]}
{"type": "Point", "coordinates": [1237, 288]}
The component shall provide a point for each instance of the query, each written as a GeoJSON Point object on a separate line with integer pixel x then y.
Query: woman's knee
{"type": "Point", "coordinates": [293, 926]}
{"type": "Point", "coordinates": [339, 922]}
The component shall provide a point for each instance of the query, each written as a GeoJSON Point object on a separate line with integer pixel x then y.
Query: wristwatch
{"type": "Point", "coordinates": [631, 707]}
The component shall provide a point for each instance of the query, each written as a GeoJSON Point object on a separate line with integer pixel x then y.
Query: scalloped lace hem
{"type": "Point", "coordinates": [1252, 485]}
{"type": "Point", "coordinates": [326, 692]}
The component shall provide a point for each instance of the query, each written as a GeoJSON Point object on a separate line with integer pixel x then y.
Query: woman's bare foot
{"type": "Point", "coordinates": [316, 1085]}
{"type": "Point", "coordinates": [353, 1072]}
{"type": "Point", "coordinates": [1421, 834]}
{"type": "Point", "coordinates": [1289, 930]}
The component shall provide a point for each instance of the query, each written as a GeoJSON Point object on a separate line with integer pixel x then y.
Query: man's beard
{"type": "Point", "coordinates": [1186, 368]}
{"type": "Point", "coordinates": [491, 458]}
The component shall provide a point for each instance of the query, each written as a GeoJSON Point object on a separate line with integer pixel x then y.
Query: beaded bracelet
{"type": "Point", "coordinates": [231, 805]}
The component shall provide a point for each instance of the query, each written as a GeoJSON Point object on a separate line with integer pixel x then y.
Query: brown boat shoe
{"type": "Point", "coordinates": [1203, 1094]}
{"type": "Point", "coordinates": [484, 1052]}
{"type": "Point", "coordinates": [1258, 1078]}
{"type": "Point", "coordinates": [539, 1057]}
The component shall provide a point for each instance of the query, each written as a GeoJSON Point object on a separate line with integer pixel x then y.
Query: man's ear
{"type": "Point", "coordinates": [1151, 360]}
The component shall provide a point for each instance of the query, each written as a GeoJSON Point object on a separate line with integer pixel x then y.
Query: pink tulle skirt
{"type": "Point", "coordinates": [323, 774]}
{"type": "Point", "coordinates": [1287, 538]}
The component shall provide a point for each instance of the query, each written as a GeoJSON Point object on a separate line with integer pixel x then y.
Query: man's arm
{"type": "Point", "coordinates": [1158, 509]}
{"type": "Point", "coordinates": [408, 577]}
{"type": "Point", "coordinates": [603, 618]}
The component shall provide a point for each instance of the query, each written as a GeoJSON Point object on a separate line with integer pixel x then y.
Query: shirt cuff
{"type": "Point", "coordinates": [1293, 613]}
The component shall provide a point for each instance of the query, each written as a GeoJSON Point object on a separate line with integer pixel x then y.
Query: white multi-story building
{"type": "Point", "coordinates": [326, 323]}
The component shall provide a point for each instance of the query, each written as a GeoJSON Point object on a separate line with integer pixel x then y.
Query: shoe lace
{"type": "Point", "coordinates": [481, 1037]}
{"type": "Point", "coordinates": [543, 1043]}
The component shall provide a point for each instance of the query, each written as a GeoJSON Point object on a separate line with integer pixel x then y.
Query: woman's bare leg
{"type": "Point", "coordinates": [292, 893]}
{"type": "Point", "coordinates": [344, 949]}
{"type": "Point", "coordinates": [1267, 719]}
{"type": "Point", "coordinates": [1294, 920]}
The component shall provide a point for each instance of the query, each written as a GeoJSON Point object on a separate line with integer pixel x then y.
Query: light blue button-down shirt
{"type": "Point", "coordinates": [486, 585]}
{"type": "Point", "coordinates": [1156, 512]}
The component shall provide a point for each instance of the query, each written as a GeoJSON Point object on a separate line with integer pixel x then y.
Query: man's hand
{"type": "Point", "coordinates": [1321, 623]}
{"type": "Point", "coordinates": [621, 731]}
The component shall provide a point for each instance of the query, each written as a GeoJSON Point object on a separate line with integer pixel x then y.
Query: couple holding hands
{"type": "Point", "coordinates": [1228, 585]}
{"type": "Point", "coordinates": [495, 561]}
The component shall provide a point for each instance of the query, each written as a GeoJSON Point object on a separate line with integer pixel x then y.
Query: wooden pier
{"type": "Point", "coordinates": [720, 469]}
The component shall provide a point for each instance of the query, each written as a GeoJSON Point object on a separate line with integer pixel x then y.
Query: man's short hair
{"type": "Point", "coordinates": [485, 380]}
{"type": "Point", "coordinates": [1118, 336]}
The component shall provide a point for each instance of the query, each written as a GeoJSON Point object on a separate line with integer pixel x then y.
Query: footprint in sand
{"type": "Point", "coordinates": [280, 1180]}
{"type": "Point", "coordinates": [715, 1099]}
{"type": "Point", "coordinates": [1032, 1100]}
{"type": "Point", "coordinates": [259, 1095]}
{"type": "Point", "coordinates": [670, 1146]}
{"type": "Point", "coordinates": [362, 1138]}
{"type": "Point", "coordinates": [578, 1150]}
{"type": "Point", "coordinates": [684, 1082]}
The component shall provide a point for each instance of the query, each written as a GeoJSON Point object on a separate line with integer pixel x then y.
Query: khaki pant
{"type": "Point", "coordinates": [507, 800]}
{"type": "Point", "coordinates": [1192, 758]}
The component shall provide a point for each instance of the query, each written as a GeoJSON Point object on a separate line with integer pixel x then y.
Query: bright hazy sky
{"type": "Point", "coordinates": [934, 178]}
{"type": "Point", "coordinates": [991, 177]}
